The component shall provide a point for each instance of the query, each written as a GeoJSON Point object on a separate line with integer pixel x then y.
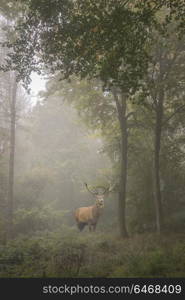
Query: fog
{"type": "Point", "coordinates": [55, 156]}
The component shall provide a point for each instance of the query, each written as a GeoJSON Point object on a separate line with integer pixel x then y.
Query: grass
{"type": "Point", "coordinates": [67, 253]}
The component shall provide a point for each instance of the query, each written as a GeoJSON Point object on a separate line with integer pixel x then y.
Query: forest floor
{"type": "Point", "coordinates": [68, 253]}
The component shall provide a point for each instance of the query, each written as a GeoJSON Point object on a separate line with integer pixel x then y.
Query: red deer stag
{"type": "Point", "coordinates": [90, 215]}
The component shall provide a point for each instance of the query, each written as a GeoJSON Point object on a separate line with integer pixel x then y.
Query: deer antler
{"type": "Point", "coordinates": [94, 192]}
{"type": "Point", "coordinates": [105, 190]}
{"type": "Point", "coordinates": [108, 189]}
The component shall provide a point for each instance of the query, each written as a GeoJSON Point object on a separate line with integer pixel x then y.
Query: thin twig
{"type": "Point", "coordinates": [176, 111]}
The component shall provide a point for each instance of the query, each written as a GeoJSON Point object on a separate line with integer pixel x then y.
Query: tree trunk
{"type": "Point", "coordinates": [11, 160]}
{"type": "Point", "coordinates": [121, 109]}
{"type": "Point", "coordinates": [123, 183]}
{"type": "Point", "coordinates": [157, 142]}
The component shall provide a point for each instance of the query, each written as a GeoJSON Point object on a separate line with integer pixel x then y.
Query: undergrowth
{"type": "Point", "coordinates": [68, 253]}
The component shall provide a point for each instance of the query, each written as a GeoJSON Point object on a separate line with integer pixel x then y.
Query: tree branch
{"type": "Point", "coordinates": [174, 113]}
{"type": "Point", "coordinates": [132, 113]}
{"type": "Point", "coordinates": [118, 105]}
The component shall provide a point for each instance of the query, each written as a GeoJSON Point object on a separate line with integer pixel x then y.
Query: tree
{"type": "Point", "coordinates": [10, 199]}
{"type": "Point", "coordinates": [8, 119]}
{"type": "Point", "coordinates": [165, 98]}
{"type": "Point", "coordinates": [9, 111]}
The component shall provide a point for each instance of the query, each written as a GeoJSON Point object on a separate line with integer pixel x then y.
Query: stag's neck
{"type": "Point", "coordinates": [97, 211]}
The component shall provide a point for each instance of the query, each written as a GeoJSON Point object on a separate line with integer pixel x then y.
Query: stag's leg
{"type": "Point", "coordinates": [94, 227]}
{"type": "Point", "coordinates": [81, 225]}
{"type": "Point", "coordinates": [90, 227]}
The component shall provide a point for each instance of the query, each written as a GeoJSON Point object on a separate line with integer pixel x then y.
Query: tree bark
{"type": "Point", "coordinates": [121, 109]}
{"type": "Point", "coordinates": [10, 197]}
{"type": "Point", "coordinates": [157, 146]}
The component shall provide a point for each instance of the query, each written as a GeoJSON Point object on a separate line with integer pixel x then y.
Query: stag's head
{"type": "Point", "coordinates": [99, 193]}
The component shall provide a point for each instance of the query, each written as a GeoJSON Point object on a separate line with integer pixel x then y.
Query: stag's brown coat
{"type": "Point", "coordinates": [88, 216]}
